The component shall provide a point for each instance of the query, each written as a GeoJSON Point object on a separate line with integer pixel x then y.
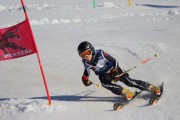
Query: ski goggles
{"type": "Point", "coordinates": [86, 53]}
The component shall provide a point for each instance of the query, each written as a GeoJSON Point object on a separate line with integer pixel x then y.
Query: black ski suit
{"type": "Point", "coordinates": [107, 68]}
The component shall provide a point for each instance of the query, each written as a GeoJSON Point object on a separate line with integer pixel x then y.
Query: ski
{"type": "Point", "coordinates": [118, 106]}
{"type": "Point", "coordinates": [156, 98]}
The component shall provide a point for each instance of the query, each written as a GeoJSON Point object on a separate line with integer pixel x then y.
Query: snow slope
{"type": "Point", "coordinates": [130, 34]}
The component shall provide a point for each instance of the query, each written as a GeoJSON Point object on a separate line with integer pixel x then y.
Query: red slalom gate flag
{"type": "Point", "coordinates": [16, 41]}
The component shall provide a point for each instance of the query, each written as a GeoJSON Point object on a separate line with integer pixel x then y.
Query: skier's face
{"type": "Point", "coordinates": [87, 55]}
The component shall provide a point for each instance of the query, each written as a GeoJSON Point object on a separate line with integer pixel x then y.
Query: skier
{"type": "Point", "coordinates": [108, 70]}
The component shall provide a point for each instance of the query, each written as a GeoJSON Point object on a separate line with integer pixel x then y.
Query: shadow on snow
{"type": "Point", "coordinates": [85, 96]}
{"type": "Point", "coordinates": [157, 6]}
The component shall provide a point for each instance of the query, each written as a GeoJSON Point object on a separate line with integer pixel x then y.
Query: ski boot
{"type": "Point", "coordinates": [127, 94]}
{"type": "Point", "coordinates": [130, 96]}
{"type": "Point", "coordinates": [157, 91]}
{"type": "Point", "coordinates": [154, 90]}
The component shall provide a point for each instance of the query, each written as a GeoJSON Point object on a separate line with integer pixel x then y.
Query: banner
{"type": "Point", "coordinates": [16, 41]}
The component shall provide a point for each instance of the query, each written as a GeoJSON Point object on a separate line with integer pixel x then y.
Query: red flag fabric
{"type": "Point", "coordinates": [16, 41]}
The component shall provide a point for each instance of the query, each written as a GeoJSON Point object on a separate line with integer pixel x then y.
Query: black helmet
{"type": "Point", "coordinates": [83, 46]}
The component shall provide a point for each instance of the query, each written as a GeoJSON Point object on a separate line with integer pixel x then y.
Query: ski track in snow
{"type": "Point", "coordinates": [106, 5]}
{"type": "Point", "coordinates": [137, 48]}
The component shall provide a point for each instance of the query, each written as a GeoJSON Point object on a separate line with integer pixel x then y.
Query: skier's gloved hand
{"type": "Point", "coordinates": [86, 81]}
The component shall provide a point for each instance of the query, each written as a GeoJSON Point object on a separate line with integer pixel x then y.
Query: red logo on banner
{"type": "Point", "coordinates": [16, 41]}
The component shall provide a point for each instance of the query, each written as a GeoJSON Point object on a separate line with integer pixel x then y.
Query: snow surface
{"type": "Point", "coordinates": [130, 34]}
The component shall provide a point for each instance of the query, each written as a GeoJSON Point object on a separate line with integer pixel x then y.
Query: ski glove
{"type": "Point", "coordinates": [86, 81]}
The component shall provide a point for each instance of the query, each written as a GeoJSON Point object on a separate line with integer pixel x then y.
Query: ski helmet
{"type": "Point", "coordinates": [83, 46]}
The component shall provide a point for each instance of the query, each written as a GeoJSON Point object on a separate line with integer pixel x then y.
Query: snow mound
{"type": "Point", "coordinates": [15, 106]}
{"type": "Point", "coordinates": [173, 12]}
{"type": "Point", "coordinates": [108, 5]}
{"type": "Point", "coordinates": [47, 21]}
{"type": "Point", "coordinates": [10, 8]}
{"type": "Point", "coordinates": [40, 6]}
{"type": "Point", "coordinates": [36, 6]}
{"type": "Point", "coordinates": [2, 8]}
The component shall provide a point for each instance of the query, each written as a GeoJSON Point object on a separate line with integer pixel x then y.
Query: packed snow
{"type": "Point", "coordinates": [128, 33]}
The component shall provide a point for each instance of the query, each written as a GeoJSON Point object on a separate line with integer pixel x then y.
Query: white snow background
{"type": "Point", "coordinates": [130, 34]}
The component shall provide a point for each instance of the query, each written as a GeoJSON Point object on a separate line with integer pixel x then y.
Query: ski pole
{"type": "Point", "coordinates": [135, 66]}
{"type": "Point", "coordinates": [141, 63]}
